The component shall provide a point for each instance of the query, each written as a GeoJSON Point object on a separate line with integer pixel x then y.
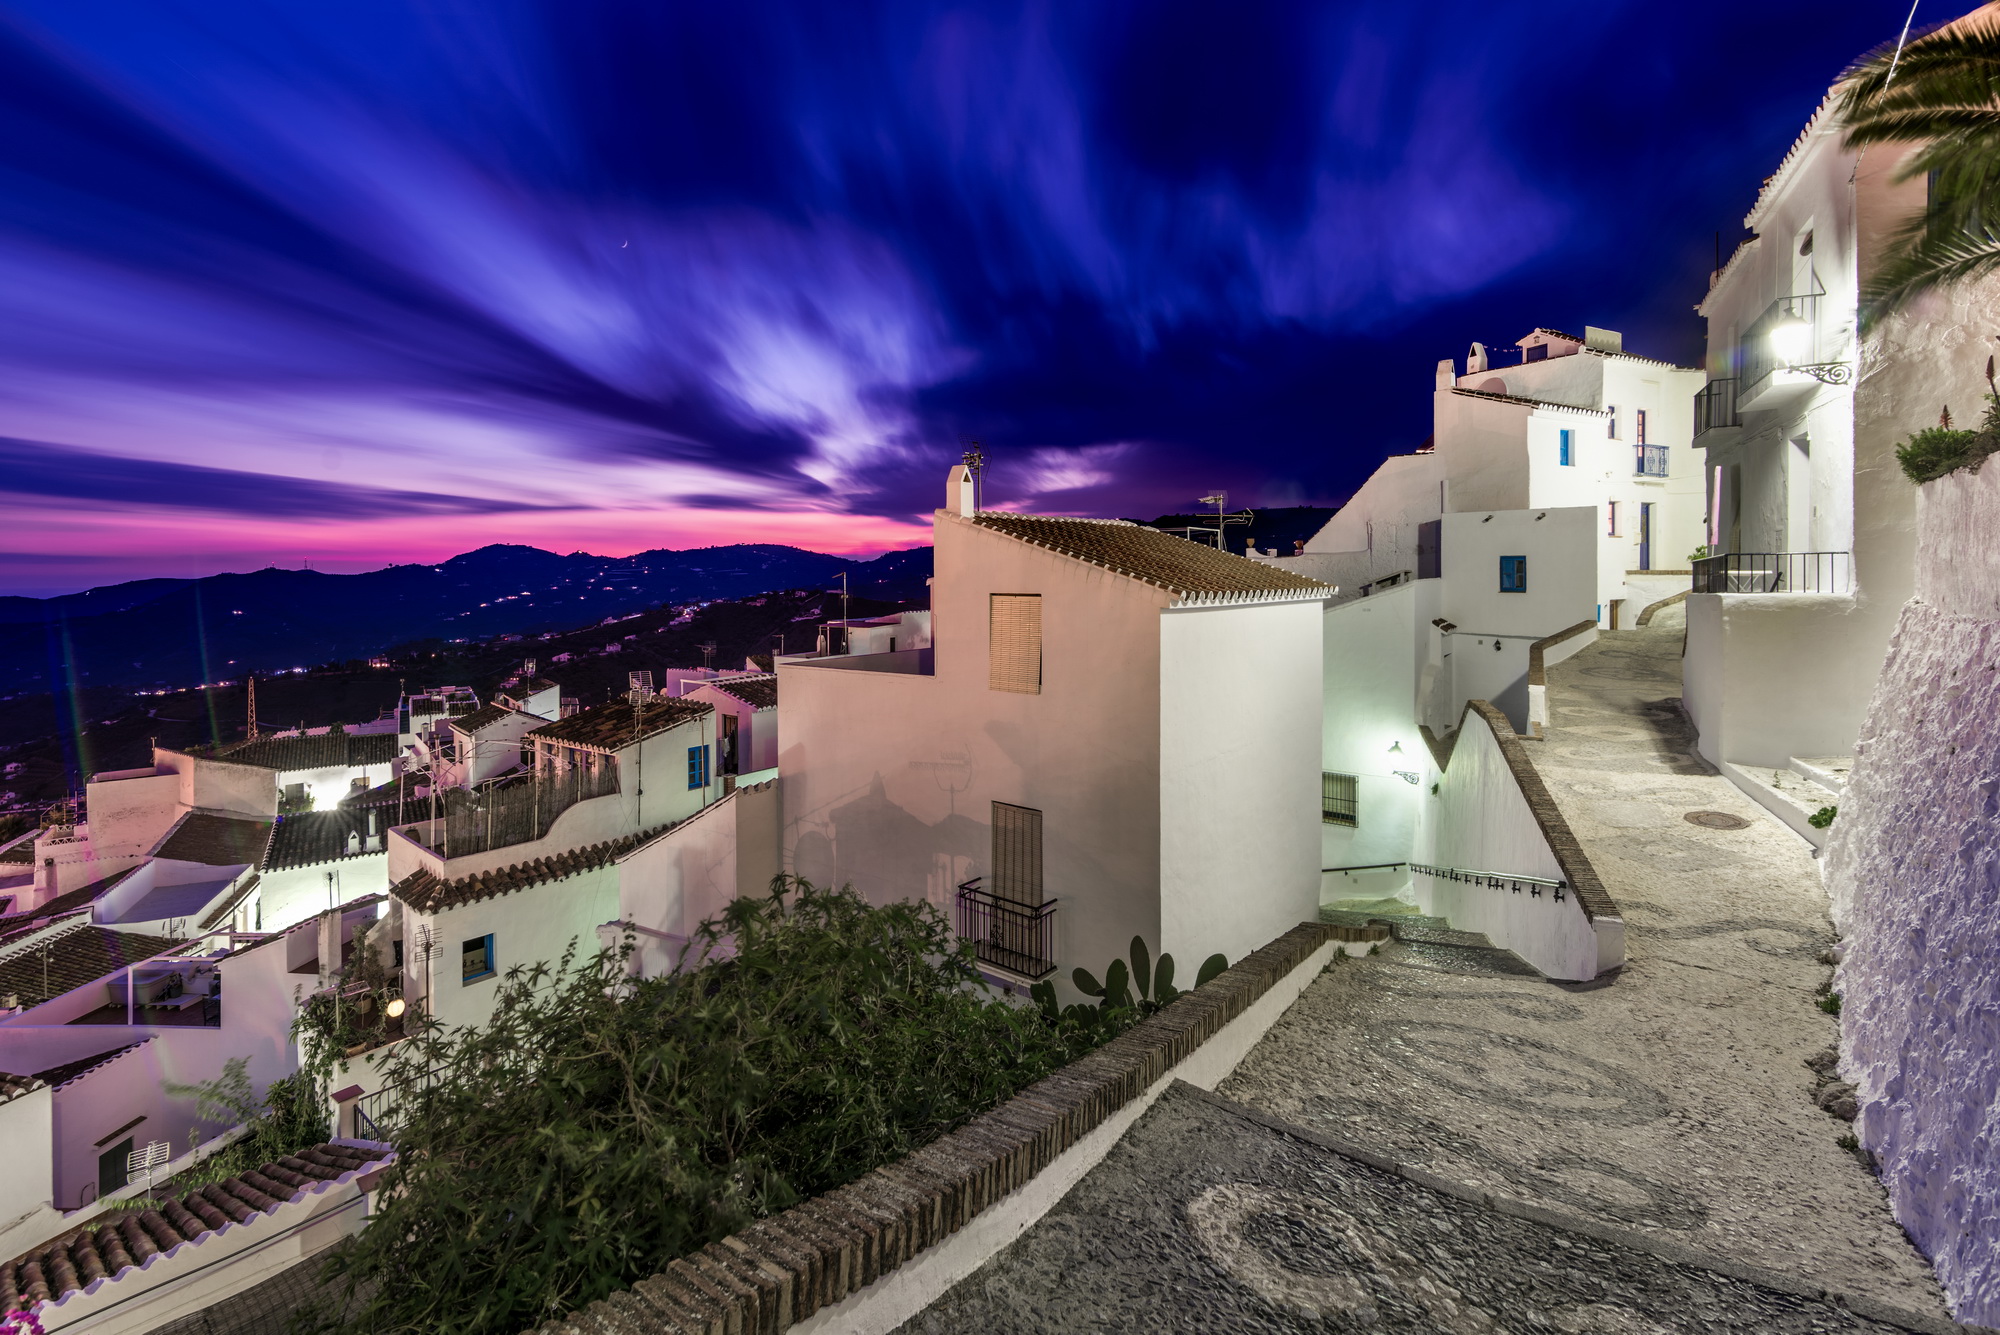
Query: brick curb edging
{"type": "Point", "coordinates": [1537, 676]}
{"type": "Point", "coordinates": [782, 1269]}
{"type": "Point", "coordinates": [1590, 893]}
{"type": "Point", "coordinates": [1674, 1253]}
{"type": "Point", "coordinates": [1647, 613]}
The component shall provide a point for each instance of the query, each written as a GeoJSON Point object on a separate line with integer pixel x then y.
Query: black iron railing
{"type": "Point", "coordinates": [377, 1116]}
{"type": "Point", "coordinates": [1775, 572]}
{"type": "Point", "coordinates": [1649, 460]}
{"type": "Point", "coordinates": [1796, 320]}
{"type": "Point", "coordinates": [1019, 938]}
{"type": "Point", "coordinates": [1715, 406]}
{"type": "Point", "coordinates": [1534, 886]}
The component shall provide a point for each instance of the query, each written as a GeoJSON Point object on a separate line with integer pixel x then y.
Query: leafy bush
{"type": "Point", "coordinates": [1822, 818]}
{"type": "Point", "coordinates": [1935, 451]}
{"type": "Point", "coordinates": [1830, 1003]}
{"type": "Point", "coordinates": [600, 1126]}
{"type": "Point", "coordinates": [1117, 1005]}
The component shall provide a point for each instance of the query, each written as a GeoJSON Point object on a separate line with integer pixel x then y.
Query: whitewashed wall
{"type": "Point", "coordinates": [1480, 821]}
{"type": "Point", "coordinates": [27, 1170]}
{"type": "Point", "coordinates": [1913, 870]}
{"type": "Point", "coordinates": [532, 926]}
{"type": "Point", "coordinates": [1375, 655]}
{"type": "Point", "coordinates": [1240, 698]}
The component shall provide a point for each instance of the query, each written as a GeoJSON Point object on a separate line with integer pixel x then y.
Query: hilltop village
{"type": "Point", "coordinates": [1594, 820]}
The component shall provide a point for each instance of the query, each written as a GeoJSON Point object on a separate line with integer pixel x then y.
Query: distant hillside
{"type": "Point", "coordinates": [167, 632]}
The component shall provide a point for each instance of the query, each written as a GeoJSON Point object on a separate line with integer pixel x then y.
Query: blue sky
{"type": "Point", "coordinates": [377, 281]}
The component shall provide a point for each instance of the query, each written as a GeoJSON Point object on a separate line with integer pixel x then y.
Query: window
{"type": "Point", "coordinates": [1639, 427]}
{"type": "Point", "coordinates": [1014, 643]}
{"type": "Point", "coordinates": [1539, 352]}
{"type": "Point", "coordinates": [114, 1168]}
{"type": "Point", "coordinates": [698, 766]}
{"type": "Point", "coordinates": [1017, 853]}
{"type": "Point", "coordinates": [1612, 529]}
{"type": "Point", "coordinates": [1513, 574]}
{"type": "Point", "coordinates": [476, 959]}
{"type": "Point", "coordinates": [1566, 447]}
{"type": "Point", "coordinates": [1612, 430]}
{"type": "Point", "coordinates": [1339, 799]}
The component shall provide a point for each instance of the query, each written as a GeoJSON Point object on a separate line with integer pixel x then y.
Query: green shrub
{"type": "Point", "coordinates": [1830, 1003]}
{"type": "Point", "coordinates": [600, 1126]}
{"type": "Point", "coordinates": [1935, 451]}
{"type": "Point", "coordinates": [1822, 818]}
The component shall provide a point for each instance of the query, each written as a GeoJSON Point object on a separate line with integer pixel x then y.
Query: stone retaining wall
{"type": "Point", "coordinates": [783, 1270]}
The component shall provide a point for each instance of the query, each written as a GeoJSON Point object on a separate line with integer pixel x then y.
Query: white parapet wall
{"type": "Point", "coordinates": [1491, 814]}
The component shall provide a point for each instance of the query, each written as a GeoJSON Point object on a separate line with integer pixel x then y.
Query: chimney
{"type": "Point", "coordinates": [1447, 373]}
{"type": "Point", "coordinates": [1603, 340]}
{"type": "Point", "coordinates": [958, 493]}
{"type": "Point", "coordinates": [1475, 360]}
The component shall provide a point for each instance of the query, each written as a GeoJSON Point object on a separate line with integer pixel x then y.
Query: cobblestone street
{"type": "Point", "coordinates": [1671, 1100]}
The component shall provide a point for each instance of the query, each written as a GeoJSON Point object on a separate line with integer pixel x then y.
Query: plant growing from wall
{"type": "Point", "coordinates": [599, 1126]}
{"type": "Point", "coordinates": [1935, 451]}
{"type": "Point", "coordinates": [1822, 818]}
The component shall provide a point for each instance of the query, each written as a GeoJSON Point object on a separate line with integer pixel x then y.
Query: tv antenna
{"type": "Point", "coordinates": [252, 679]}
{"type": "Point", "coordinates": [707, 652]}
{"type": "Point", "coordinates": [1225, 518]}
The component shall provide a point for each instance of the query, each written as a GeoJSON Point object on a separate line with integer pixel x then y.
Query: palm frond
{"type": "Point", "coordinates": [1924, 257]}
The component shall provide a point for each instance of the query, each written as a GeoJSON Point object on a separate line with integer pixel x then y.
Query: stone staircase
{"type": "Point", "coordinates": [1796, 793]}
{"type": "Point", "coordinates": [1434, 942]}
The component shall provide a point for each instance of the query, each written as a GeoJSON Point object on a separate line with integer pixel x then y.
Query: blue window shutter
{"type": "Point", "coordinates": [1513, 574]}
{"type": "Point", "coordinates": [698, 767]}
{"type": "Point", "coordinates": [1563, 455]}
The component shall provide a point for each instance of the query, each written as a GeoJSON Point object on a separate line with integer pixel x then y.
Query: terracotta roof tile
{"type": "Point", "coordinates": [1529, 403]}
{"type": "Point", "coordinates": [59, 1076]}
{"type": "Point", "coordinates": [332, 750]}
{"type": "Point", "coordinates": [607, 727]}
{"type": "Point", "coordinates": [73, 901]}
{"type": "Point", "coordinates": [81, 955]}
{"type": "Point", "coordinates": [760, 691]}
{"type": "Point", "coordinates": [110, 1243]}
{"type": "Point", "coordinates": [1149, 555]}
{"type": "Point", "coordinates": [483, 718]}
{"type": "Point", "coordinates": [219, 841]}
{"type": "Point", "coordinates": [306, 837]}
{"type": "Point", "coordinates": [427, 892]}
{"type": "Point", "coordinates": [13, 1086]}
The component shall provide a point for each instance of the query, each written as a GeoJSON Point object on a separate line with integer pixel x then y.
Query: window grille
{"type": "Point", "coordinates": [1339, 799]}
{"type": "Point", "coordinates": [1513, 574]}
{"type": "Point", "coordinates": [1017, 853]}
{"type": "Point", "coordinates": [698, 766]}
{"type": "Point", "coordinates": [1014, 647]}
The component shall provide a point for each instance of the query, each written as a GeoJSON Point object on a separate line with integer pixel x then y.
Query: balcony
{"type": "Point", "coordinates": [1775, 572]}
{"type": "Point", "coordinates": [1781, 355]}
{"type": "Point", "coordinates": [1715, 413]}
{"type": "Point", "coordinates": [1649, 460]}
{"type": "Point", "coordinates": [1019, 938]}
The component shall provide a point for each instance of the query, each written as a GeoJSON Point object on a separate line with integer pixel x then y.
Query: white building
{"type": "Point", "coordinates": [1799, 424]}
{"type": "Point", "coordinates": [746, 711]}
{"type": "Point", "coordinates": [1575, 422]}
{"type": "Point", "coordinates": [1112, 734]}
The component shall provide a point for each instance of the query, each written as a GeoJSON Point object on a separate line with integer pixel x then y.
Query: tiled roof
{"type": "Point", "coordinates": [1528, 403]}
{"type": "Point", "coordinates": [21, 852]}
{"type": "Point", "coordinates": [426, 892]}
{"type": "Point", "coordinates": [313, 836]}
{"type": "Point", "coordinates": [73, 901]}
{"type": "Point", "coordinates": [332, 750]}
{"type": "Point", "coordinates": [219, 841]}
{"type": "Point", "coordinates": [607, 727]}
{"type": "Point", "coordinates": [1555, 333]}
{"type": "Point", "coordinates": [14, 1086]}
{"type": "Point", "coordinates": [58, 1076]}
{"type": "Point", "coordinates": [1149, 555]}
{"type": "Point", "coordinates": [759, 691]}
{"type": "Point", "coordinates": [70, 959]}
{"type": "Point", "coordinates": [481, 718]}
{"type": "Point", "coordinates": [387, 794]}
{"type": "Point", "coordinates": [109, 1244]}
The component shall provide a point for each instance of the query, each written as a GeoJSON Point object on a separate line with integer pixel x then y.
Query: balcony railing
{"type": "Point", "coordinates": [514, 809]}
{"type": "Point", "coordinates": [1019, 938]}
{"type": "Point", "coordinates": [1715, 406]}
{"type": "Point", "coordinates": [1761, 359]}
{"type": "Point", "coordinates": [1649, 460]}
{"type": "Point", "coordinates": [1775, 572]}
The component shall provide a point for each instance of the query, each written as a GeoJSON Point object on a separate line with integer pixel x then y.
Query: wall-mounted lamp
{"type": "Point", "coordinates": [1396, 748]}
{"type": "Point", "coordinates": [1791, 340]}
{"type": "Point", "coordinates": [396, 1008]}
{"type": "Point", "coordinates": [1406, 776]}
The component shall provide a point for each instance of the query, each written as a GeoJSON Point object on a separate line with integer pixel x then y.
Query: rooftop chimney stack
{"type": "Point", "coordinates": [958, 494]}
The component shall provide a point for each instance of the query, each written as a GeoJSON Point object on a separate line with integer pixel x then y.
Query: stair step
{"type": "Point", "coordinates": [1829, 772]}
{"type": "Point", "coordinates": [1438, 940]}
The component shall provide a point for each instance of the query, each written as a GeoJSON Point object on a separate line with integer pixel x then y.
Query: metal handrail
{"type": "Point", "coordinates": [1715, 406]}
{"type": "Point", "coordinates": [1499, 880]}
{"type": "Point", "coordinates": [1373, 866]}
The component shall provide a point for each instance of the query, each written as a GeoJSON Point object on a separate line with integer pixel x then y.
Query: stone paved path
{"type": "Point", "coordinates": [1207, 1219]}
{"type": "Point", "coordinates": [1671, 1100]}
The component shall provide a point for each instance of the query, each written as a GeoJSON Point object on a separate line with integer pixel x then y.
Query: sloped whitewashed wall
{"type": "Point", "coordinates": [1913, 870]}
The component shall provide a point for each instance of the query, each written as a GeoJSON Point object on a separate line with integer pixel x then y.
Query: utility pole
{"type": "Point", "coordinates": [251, 678]}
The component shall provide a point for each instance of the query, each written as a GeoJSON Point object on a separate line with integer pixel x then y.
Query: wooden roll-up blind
{"type": "Point", "coordinates": [1017, 853]}
{"type": "Point", "coordinates": [1014, 649]}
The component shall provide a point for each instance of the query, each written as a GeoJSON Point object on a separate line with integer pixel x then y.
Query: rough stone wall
{"type": "Point", "coordinates": [1913, 870]}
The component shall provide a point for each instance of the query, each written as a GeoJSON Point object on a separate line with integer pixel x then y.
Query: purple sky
{"type": "Point", "coordinates": [369, 282]}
